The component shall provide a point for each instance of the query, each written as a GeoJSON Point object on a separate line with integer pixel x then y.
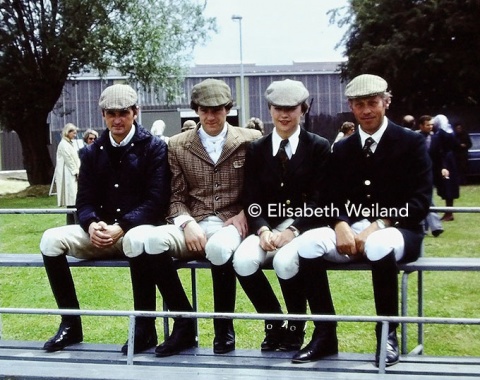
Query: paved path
{"type": "Point", "coordinates": [13, 181]}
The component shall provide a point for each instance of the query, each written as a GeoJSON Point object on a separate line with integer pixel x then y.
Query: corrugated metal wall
{"type": "Point", "coordinates": [78, 104]}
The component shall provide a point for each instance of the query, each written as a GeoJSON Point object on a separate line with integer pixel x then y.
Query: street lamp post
{"type": "Point", "coordinates": [242, 81]}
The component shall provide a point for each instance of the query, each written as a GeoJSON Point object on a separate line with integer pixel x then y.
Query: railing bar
{"type": "Point", "coordinates": [252, 316]}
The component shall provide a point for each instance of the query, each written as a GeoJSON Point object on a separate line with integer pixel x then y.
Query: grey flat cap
{"type": "Point", "coordinates": [286, 93]}
{"type": "Point", "coordinates": [365, 85]}
{"type": "Point", "coordinates": [211, 93]}
{"type": "Point", "coordinates": [118, 97]}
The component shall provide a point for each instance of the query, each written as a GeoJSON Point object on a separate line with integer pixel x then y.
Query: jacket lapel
{"type": "Point", "coordinates": [300, 154]}
{"type": "Point", "coordinates": [231, 144]}
{"type": "Point", "coordinates": [195, 146]}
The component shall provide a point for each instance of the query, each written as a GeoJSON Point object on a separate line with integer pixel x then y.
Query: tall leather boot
{"type": "Point", "coordinates": [295, 299]}
{"type": "Point", "coordinates": [144, 298]}
{"type": "Point", "coordinates": [224, 292]}
{"type": "Point", "coordinates": [324, 340]}
{"type": "Point", "coordinates": [385, 290]}
{"type": "Point", "coordinates": [61, 281]}
{"type": "Point", "coordinates": [166, 278]}
{"type": "Point", "coordinates": [260, 292]}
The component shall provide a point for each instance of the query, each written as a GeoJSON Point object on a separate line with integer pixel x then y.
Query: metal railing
{"type": "Point", "coordinates": [132, 315]}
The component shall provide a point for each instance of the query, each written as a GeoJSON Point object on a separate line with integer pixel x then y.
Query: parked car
{"type": "Point", "coordinates": [473, 168]}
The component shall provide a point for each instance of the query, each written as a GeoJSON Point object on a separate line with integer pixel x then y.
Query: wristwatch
{"type": "Point", "coordinates": [295, 230]}
{"type": "Point", "coordinates": [381, 224]}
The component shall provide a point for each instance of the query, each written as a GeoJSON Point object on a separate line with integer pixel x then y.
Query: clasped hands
{"type": "Point", "coordinates": [103, 235]}
{"type": "Point", "coordinates": [272, 240]}
{"type": "Point", "coordinates": [350, 243]}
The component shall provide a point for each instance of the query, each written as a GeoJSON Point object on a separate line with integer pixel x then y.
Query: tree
{"type": "Point", "coordinates": [45, 42]}
{"type": "Point", "coordinates": [427, 50]}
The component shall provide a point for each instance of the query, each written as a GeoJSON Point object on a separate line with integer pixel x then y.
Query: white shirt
{"type": "Point", "coordinates": [125, 141]}
{"type": "Point", "coordinates": [213, 144]}
{"type": "Point", "coordinates": [292, 145]}
{"type": "Point", "coordinates": [376, 136]}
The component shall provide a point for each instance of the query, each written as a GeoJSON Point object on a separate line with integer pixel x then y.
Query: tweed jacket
{"type": "Point", "coordinates": [201, 188]}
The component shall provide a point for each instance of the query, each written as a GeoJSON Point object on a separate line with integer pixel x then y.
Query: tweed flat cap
{"type": "Point", "coordinates": [286, 93]}
{"type": "Point", "coordinates": [211, 93]}
{"type": "Point", "coordinates": [365, 85]}
{"type": "Point", "coordinates": [117, 97]}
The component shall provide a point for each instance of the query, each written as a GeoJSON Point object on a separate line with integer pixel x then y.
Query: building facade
{"type": "Point", "coordinates": [78, 103]}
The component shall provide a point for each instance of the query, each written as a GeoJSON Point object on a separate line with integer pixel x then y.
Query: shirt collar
{"type": "Point", "coordinates": [125, 141]}
{"type": "Point", "coordinates": [376, 136]}
{"type": "Point", "coordinates": [205, 137]}
{"type": "Point", "coordinates": [292, 145]}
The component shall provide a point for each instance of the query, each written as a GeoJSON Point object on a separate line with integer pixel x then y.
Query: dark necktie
{"type": "Point", "coordinates": [366, 148]}
{"type": "Point", "coordinates": [282, 154]}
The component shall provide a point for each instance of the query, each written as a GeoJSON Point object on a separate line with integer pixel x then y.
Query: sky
{"type": "Point", "coordinates": [274, 32]}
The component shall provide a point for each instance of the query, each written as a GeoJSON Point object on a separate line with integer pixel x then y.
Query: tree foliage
{"type": "Point", "coordinates": [45, 42]}
{"type": "Point", "coordinates": [427, 50]}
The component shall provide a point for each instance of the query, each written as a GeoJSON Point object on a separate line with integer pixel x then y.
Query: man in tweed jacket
{"type": "Point", "coordinates": [205, 215]}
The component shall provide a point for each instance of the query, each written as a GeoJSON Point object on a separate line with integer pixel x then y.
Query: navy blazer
{"type": "Point", "coordinates": [302, 187]}
{"type": "Point", "coordinates": [395, 182]}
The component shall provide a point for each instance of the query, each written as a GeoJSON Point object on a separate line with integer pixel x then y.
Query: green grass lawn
{"type": "Point", "coordinates": [447, 294]}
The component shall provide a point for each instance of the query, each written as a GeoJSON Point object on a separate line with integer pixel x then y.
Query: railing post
{"type": "Point", "coordinates": [383, 348]}
{"type": "Point", "coordinates": [131, 340]}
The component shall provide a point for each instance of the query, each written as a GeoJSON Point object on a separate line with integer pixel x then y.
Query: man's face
{"type": "Point", "coordinates": [212, 119]}
{"type": "Point", "coordinates": [286, 119]}
{"type": "Point", "coordinates": [426, 126]}
{"type": "Point", "coordinates": [119, 122]}
{"type": "Point", "coordinates": [369, 112]}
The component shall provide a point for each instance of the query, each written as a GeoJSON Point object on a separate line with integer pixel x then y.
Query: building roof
{"type": "Point", "coordinates": [251, 69]}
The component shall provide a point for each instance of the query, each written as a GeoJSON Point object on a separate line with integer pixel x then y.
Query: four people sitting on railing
{"type": "Point", "coordinates": [377, 183]}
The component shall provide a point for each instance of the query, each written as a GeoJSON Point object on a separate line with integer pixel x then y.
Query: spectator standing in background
{"type": "Point", "coordinates": [158, 129]}
{"type": "Point", "coordinates": [347, 129]}
{"type": "Point", "coordinates": [89, 138]}
{"type": "Point", "coordinates": [67, 169]}
{"type": "Point", "coordinates": [409, 122]}
{"type": "Point", "coordinates": [188, 124]}
{"type": "Point", "coordinates": [256, 123]}
{"type": "Point", "coordinates": [447, 183]}
{"type": "Point", "coordinates": [461, 154]}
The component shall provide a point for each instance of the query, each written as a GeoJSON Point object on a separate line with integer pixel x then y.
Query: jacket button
{"type": "Point", "coordinates": [367, 182]}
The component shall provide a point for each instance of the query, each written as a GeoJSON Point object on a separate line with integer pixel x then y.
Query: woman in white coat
{"type": "Point", "coordinates": [68, 165]}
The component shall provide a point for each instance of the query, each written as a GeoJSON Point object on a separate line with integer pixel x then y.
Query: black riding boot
{"type": "Point", "coordinates": [324, 340]}
{"type": "Point", "coordinates": [295, 299]}
{"type": "Point", "coordinates": [63, 288]}
{"type": "Point", "coordinates": [166, 278]}
{"type": "Point", "coordinates": [385, 290]}
{"type": "Point", "coordinates": [260, 292]}
{"type": "Point", "coordinates": [144, 298]}
{"type": "Point", "coordinates": [224, 291]}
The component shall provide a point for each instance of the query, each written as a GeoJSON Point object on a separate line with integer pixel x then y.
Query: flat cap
{"type": "Point", "coordinates": [117, 97]}
{"type": "Point", "coordinates": [365, 85]}
{"type": "Point", "coordinates": [211, 93]}
{"type": "Point", "coordinates": [286, 93]}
